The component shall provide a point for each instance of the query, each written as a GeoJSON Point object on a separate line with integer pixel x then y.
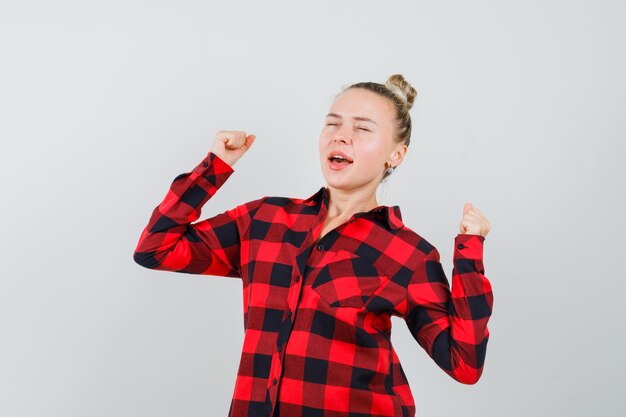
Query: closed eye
{"type": "Point", "coordinates": [359, 128]}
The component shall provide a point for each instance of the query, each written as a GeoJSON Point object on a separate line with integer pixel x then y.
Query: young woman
{"type": "Point", "coordinates": [323, 275]}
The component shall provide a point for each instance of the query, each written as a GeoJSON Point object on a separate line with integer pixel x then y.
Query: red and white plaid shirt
{"type": "Point", "coordinates": [317, 313]}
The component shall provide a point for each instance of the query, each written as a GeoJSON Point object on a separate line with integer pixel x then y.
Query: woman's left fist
{"type": "Point", "coordinates": [474, 222]}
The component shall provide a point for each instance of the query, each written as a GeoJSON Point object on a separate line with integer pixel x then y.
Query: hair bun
{"type": "Point", "coordinates": [401, 89]}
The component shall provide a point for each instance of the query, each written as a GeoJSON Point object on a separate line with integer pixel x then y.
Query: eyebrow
{"type": "Point", "coordinates": [365, 119]}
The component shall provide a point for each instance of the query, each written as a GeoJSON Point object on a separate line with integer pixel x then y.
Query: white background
{"type": "Point", "coordinates": [520, 110]}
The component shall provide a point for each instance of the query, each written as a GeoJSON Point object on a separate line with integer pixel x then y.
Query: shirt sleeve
{"type": "Point", "coordinates": [451, 325]}
{"type": "Point", "coordinates": [172, 242]}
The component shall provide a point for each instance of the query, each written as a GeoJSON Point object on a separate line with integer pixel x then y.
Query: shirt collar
{"type": "Point", "coordinates": [392, 214]}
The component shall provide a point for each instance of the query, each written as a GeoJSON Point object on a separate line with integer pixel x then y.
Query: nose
{"type": "Point", "coordinates": [343, 134]}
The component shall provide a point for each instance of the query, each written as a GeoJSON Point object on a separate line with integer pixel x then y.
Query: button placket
{"type": "Point", "coordinates": [293, 300]}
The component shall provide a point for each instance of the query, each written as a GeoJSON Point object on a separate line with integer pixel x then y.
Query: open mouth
{"type": "Point", "coordinates": [338, 159]}
{"type": "Point", "coordinates": [337, 162]}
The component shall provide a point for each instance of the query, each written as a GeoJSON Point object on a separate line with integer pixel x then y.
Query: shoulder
{"type": "Point", "coordinates": [309, 203]}
{"type": "Point", "coordinates": [273, 200]}
{"type": "Point", "coordinates": [417, 244]}
{"type": "Point", "coordinates": [406, 254]}
{"type": "Point", "coordinates": [274, 208]}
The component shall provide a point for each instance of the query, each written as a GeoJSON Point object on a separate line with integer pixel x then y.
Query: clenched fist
{"type": "Point", "coordinates": [230, 145]}
{"type": "Point", "coordinates": [474, 222]}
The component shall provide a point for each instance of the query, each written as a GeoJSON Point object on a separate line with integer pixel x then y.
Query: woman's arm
{"type": "Point", "coordinates": [170, 241]}
{"type": "Point", "coordinates": [451, 325]}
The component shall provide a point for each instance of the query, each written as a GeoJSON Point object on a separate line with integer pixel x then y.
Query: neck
{"type": "Point", "coordinates": [343, 204]}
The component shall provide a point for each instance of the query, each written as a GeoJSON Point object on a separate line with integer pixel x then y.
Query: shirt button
{"type": "Point", "coordinates": [205, 164]}
{"type": "Point", "coordinates": [461, 246]}
{"type": "Point", "coordinates": [298, 278]}
{"type": "Point", "coordinates": [289, 314]}
{"type": "Point", "coordinates": [280, 347]}
{"type": "Point", "coordinates": [274, 381]}
{"type": "Point", "coordinates": [320, 247]}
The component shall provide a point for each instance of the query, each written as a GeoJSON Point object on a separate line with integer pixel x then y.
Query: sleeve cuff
{"type": "Point", "coordinates": [215, 163]}
{"type": "Point", "coordinates": [468, 246]}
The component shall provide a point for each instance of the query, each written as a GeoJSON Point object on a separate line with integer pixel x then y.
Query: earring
{"type": "Point", "coordinates": [389, 170]}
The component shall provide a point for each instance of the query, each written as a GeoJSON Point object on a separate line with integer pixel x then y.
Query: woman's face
{"type": "Point", "coordinates": [360, 124]}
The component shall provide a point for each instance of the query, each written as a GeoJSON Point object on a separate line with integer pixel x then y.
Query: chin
{"type": "Point", "coordinates": [341, 183]}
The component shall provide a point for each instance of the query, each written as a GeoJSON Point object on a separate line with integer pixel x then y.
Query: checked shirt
{"type": "Point", "coordinates": [317, 312]}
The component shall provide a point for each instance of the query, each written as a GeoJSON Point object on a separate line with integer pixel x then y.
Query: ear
{"type": "Point", "coordinates": [397, 156]}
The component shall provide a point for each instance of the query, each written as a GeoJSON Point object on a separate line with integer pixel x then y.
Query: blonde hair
{"type": "Point", "coordinates": [402, 95]}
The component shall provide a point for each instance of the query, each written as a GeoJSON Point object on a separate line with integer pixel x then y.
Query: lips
{"type": "Point", "coordinates": [337, 166]}
{"type": "Point", "coordinates": [337, 152]}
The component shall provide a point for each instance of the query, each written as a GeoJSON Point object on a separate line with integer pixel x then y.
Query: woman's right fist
{"type": "Point", "coordinates": [230, 145]}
